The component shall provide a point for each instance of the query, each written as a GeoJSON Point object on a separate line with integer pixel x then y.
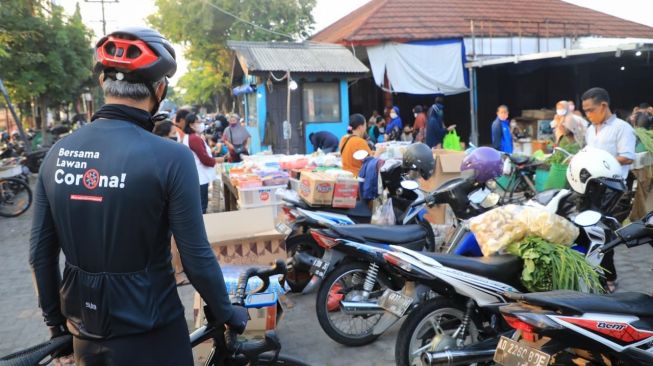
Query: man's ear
{"type": "Point", "coordinates": [101, 80]}
{"type": "Point", "coordinates": [160, 90]}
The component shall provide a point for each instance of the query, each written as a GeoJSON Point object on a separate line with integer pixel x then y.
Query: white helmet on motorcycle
{"type": "Point", "coordinates": [591, 163]}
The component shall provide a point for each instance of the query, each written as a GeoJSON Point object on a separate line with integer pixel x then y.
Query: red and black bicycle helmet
{"type": "Point", "coordinates": [135, 54]}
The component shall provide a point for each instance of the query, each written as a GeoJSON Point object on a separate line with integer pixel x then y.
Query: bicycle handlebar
{"type": "Point", "coordinates": [279, 267]}
{"type": "Point", "coordinates": [34, 355]}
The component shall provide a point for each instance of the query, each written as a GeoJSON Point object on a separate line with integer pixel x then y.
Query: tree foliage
{"type": "Point", "coordinates": [204, 30]}
{"type": "Point", "coordinates": [43, 55]}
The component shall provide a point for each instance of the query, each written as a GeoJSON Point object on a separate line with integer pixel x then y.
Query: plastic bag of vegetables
{"type": "Point", "coordinates": [502, 226]}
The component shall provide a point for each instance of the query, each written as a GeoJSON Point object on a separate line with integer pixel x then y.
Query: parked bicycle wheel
{"type": "Point", "coordinates": [15, 197]}
{"type": "Point", "coordinates": [345, 283]}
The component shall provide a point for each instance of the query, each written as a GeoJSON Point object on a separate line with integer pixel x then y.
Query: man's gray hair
{"type": "Point", "coordinates": [123, 89]}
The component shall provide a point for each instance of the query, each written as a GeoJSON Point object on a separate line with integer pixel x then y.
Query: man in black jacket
{"type": "Point", "coordinates": [109, 196]}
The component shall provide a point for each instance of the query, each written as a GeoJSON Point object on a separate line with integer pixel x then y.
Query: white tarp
{"type": "Point", "coordinates": [419, 68]}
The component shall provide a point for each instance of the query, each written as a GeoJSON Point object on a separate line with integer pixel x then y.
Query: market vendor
{"type": "Point", "coordinates": [324, 140]}
{"type": "Point", "coordinates": [236, 138]}
{"type": "Point", "coordinates": [355, 141]}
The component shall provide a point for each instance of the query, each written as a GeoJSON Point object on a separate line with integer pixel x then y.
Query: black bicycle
{"type": "Point", "coordinates": [15, 197]}
{"type": "Point", "coordinates": [521, 184]}
{"type": "Point", "coordinates": [227, 350]}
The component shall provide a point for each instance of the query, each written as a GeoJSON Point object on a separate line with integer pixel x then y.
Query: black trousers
{"type": "Point", "coordinates": [608, 264]}
{"type": "Point", "coordinates": [204, 196]}
{"type": "Point", "coordinates": [169, 345]}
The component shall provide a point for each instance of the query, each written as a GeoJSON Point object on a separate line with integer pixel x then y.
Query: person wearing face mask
{"type": "Point", "coordinates": [204, 161]}
{"type": "Point", "coordinates": [236, 138]}
{"type": "Point", "coordinates": [616, 136]}
{"type": "Point", "coordinates": [395, 126]}
{"type": "Point", "coordinates": [568, 128]}
{"type": "Point", "coordinates": [435, 127]}
{"type": "Point", "coordinates": [112, 220]}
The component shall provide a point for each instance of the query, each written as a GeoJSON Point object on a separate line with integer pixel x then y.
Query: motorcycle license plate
{"type": "Point", "coordinates": [512, 353]}
{"type": "Point", "coordinates": [319, 268]}
{"type": "Point", "coordinates": [395, 302]}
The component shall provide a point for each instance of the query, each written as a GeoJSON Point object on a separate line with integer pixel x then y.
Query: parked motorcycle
{"type": "Point", "coordinates": [565, 327]}
{"type": "Point", "coordinates": [295, 218]}
{"type": "Point", "coordinates": [356, 272]}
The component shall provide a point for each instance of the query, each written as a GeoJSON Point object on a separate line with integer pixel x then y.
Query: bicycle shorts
{"type": "Point", "coordinates": [169, 345]}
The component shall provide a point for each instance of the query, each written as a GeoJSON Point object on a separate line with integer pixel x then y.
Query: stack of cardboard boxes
{"type": "Point", "coordinates": [323, 189]}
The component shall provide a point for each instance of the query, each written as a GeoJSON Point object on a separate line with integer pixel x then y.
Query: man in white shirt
{"type": "Point", "coordinates": [615, 136]}
{"type": "Point", "coordinates": [608, 132]}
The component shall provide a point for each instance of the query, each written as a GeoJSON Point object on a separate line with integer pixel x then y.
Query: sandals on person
{"type": "Point", "coordinates": [611, 286]}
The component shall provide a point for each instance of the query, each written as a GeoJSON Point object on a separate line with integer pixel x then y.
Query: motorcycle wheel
{"type": "Point", "coordinates": [298, 279]}
{"type": "Point", "coordinates": [346, 283]}
{"type": "Point", "coordinates": [437, 317]}
{"type": "Point", "coordinates": [15, 197]}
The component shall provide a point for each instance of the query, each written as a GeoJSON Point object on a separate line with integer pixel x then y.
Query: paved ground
{"type": "Point", "coordinates": [21, 324]}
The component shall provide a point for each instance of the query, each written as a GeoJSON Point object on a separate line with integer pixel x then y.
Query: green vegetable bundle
{"type": "Point", "coordinates": [554, 267]}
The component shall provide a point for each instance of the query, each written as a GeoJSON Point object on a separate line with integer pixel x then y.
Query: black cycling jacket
{"type": "Point", "coordinates": [108, 196]}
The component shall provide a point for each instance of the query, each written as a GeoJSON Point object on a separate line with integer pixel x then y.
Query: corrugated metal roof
{"type": "Point", "coordinates": [304, 57]}
{"type": "Point", "coordinates": [407, 20]}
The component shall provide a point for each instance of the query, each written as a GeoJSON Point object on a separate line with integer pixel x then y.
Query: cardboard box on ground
{"type": "Point", "coordinates": [447, 167]}
{"type": "Point", "coordinates": [241, 239]}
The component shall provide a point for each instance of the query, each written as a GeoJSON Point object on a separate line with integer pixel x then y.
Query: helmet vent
{"type": "Point", "coordinates": [110, 48]}
{"type": "Point", "coordinates": [133, 52]}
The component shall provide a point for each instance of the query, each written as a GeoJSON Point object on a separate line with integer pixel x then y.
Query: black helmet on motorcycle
{"type": "Point", "coordinates": [418, 159]}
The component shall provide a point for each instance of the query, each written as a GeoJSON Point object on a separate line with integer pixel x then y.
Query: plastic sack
{"type": "Point", "coordinates": [498, 228]}
{"type": "Point", "coordinates": [451, 141]}
{"type": "Point", "coordinates": [384, 214]}
{"type": "Point", "coordinates": [502, 226]}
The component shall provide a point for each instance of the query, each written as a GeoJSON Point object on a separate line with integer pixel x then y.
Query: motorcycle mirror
{"type": "Point", "coordinates": [360, 155]}
{"type": "Point", "coordinates": [587, 218]}
{"type": "Point", "coordinates": [410, 185]}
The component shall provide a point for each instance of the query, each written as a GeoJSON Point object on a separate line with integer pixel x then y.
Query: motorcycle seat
{"type": "Point", "coordinates": [519, 159]}
{"type": "Point", "coordinates": [503, 268]}
{"type": "Point", "coordinates": [395, 235]}
{"type": "Point", "coordinates": [360, 213]}
{"type": "Point", "coordinates": [630, 303]}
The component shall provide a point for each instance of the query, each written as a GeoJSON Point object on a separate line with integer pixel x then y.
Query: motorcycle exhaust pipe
{"type": "Point", "coordinates": [456, 357]}
{"type": "Point", "coordinates": [360, 308]}
{"type": "Point", "coordinates": [303, 261]}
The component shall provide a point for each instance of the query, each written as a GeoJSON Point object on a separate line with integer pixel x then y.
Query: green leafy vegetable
{"type": "Point", "coordinates": [554, 267]}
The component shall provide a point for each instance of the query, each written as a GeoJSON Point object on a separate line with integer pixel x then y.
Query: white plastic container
{"type": "Point", "coordinates": [258, 196]}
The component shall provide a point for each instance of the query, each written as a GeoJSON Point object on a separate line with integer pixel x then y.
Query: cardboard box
{"type": "Point", "coordinates": [316, 188]}
{"type": "Point", "coordinates": [245, 237]}
{"type": "Point", "coordinates": [345, 193]}
{"type": "Point", "coordinates": [538, 113]}
{"type": "Point", "coordinates": [447, 167]}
